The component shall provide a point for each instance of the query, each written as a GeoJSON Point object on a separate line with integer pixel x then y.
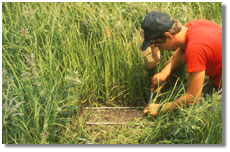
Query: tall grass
{"type": "Point", "coordinates": [59, 57]}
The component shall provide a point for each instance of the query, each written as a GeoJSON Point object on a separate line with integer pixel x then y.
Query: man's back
{"type": "Point", "coordinates": [204, 49]}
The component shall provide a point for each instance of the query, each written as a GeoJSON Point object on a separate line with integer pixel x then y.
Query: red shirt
{"type": "Point", "coordinates": [203, 49]}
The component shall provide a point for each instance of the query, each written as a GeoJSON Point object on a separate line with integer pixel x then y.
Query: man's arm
{"type": "Point", "coordinates": [175, 61]}
{"type": "Point", "coordinates": [194, 92]}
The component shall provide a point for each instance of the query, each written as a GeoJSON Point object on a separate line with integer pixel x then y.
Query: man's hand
{"type": "Point", "coordinates": [153, 109]}
{"type": "Point", "coordinates": [157, 80]}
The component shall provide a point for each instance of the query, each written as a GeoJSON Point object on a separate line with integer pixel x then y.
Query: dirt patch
{"type": "Point", "coordinates": [112, 115]}
{"type": "Point", "coordinates": [110, 125]}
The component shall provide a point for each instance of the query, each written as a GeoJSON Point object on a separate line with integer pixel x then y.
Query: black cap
{"type": "Point", "coordinates": [155, 24]}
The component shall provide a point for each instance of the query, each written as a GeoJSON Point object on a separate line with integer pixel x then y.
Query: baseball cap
{"type": "Point", "coordinates": [154, 24]}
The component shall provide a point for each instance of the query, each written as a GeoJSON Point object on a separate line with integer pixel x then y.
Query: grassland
{"type": "Point", "coordinates": [60, 57]}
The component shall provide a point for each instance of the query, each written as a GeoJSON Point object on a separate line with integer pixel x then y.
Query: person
{"type": "Point", "coordinates": [198, 44]}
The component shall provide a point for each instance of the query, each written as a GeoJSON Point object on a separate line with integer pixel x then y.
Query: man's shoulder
{"type": "Point", "coordinates": [200, 22]}
{"type": "Point", "coordinates": [203, 33]}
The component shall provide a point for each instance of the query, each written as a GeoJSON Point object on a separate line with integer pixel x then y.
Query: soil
{"type": "Point", "coordinates": [112, 115]}
{"type": "Point", "coordinates": [112, 124]}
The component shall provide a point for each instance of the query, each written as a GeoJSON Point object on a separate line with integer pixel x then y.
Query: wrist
{"type": "Point", "coordinates": [159, 109]}
{"type": "Point", "coordinates": [166, 106]}
{"type": "Point", "coordinates": [165, 74]}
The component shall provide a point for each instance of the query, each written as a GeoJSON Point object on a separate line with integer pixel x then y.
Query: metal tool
{"type": "Point", "coordinates": [153, 92]}
{"type": "Point", "coordinates": [151, 95]}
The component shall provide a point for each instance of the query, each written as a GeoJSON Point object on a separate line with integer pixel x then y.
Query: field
{"type": "Point", "coordinates": [58, 58]}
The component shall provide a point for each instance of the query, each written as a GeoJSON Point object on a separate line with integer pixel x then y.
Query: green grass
{"type": "Point", "coordinates": [56, 59]}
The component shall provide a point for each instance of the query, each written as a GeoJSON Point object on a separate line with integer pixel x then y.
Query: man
{"type": "Point", "coordinates": [198, 43]}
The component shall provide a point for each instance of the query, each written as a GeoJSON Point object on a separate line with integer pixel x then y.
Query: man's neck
{"type": "Point", "coordinates": [181, 37]}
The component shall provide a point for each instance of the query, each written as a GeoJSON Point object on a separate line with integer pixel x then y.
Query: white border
{"type": "Point", "coordinates": [131, 148]}
{"type": "Point", "coordinates": [111, 1]}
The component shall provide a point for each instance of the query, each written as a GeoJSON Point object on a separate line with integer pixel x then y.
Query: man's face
{"type": "Point", "coordinates": [168, 44]}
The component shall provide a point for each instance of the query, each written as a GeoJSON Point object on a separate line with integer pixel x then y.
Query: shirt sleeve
{"type": "Point", "coordinates": [196, 58]}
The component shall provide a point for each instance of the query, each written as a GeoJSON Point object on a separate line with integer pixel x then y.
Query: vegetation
{"type": "Point", "coordinates": [59, 57]}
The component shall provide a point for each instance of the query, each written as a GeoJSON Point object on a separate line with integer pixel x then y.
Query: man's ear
{"type": "Point", "coordinates": [168, 35]}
